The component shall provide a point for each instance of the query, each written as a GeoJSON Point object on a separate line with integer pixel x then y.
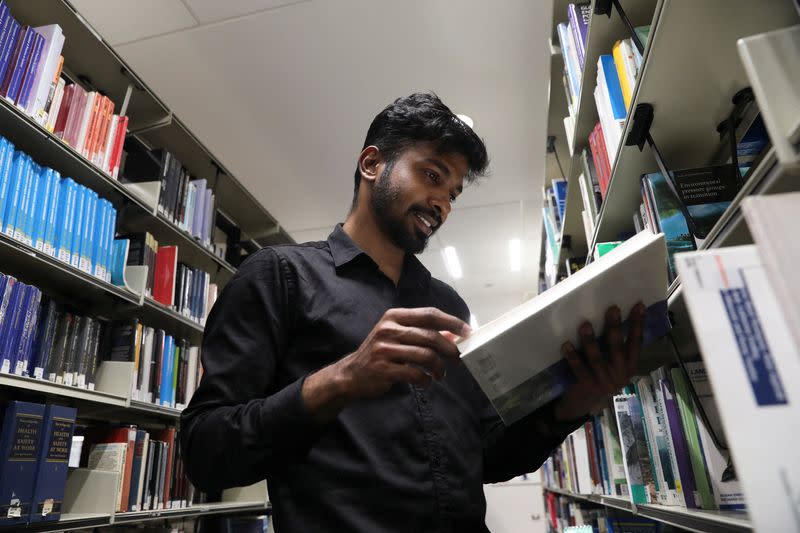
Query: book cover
{"type": "Point", "coordinates": [570, 66]}
{"type": "Point", "coordinates": [55, 366]}
{"type": "Point", "coordinates": [675, 428]}
{"type": "Point", "coordinates": [618, 481]}
{"type": "Point", "coordinates": [12, 326]}
{"type": "Point", "coordinates": [164, 283]}
{"type": "Point", "coordinates": [608, 70]}
{"type": "Point", "coordinates": [746, 338]}
{"type": "Point", "coordinates": [519, 385]}
{"type": "Point", "coordinates": [108, 147]}
{"type": "Point", "coordinates": [116, 447]}
{"type": "Point", "coordinates": [44, 205]}
{"type": "Point", "coordinates": [16, 185]}
{"type": "Point", "coordinates": [98, 233]}
{"type": "Point", "coordinates": [51, 474]}
{"type": "Point", "coordinates": [30, 320]}
{"type": "Point", "coordinates": [5, 26]}
{"type": "Point", "coordinates": [136, 470]}
{"type": "Point", "coordinates": [654, 421]}
{"type": "Point", "coordinates": [81, 197]}
{"type": "Point", "coordinates": [579, 16]}
{"type": "Point", "coordinates": [690, 432]}
{"type": "Point", "coordinates": [17, 64]}
{"type": "Point", "coordinates": [26, 83]}
{"type": "Point", "coordinates": [62, 116]}
{"type": "Point", "coordinates": [110, 232]}
{"type": "Point", "coordinates": [46, 71]}
{"type": "Point", "coordinates": [30, 183]}
{"type": "Point", "coordinates": [87, 241]}
{"type": "Point", "coordinates": [167, 436]}
{"type": "Point", "coordinates": [9, 45]}
{"type": "Point", "coordinates": [45, 335]}
{"type": "Point", "coordinates": [632, 461]}
{"type": "Point", "coordinates": [119, 257]}
{"type": "Point", "coordinates": [20, 440]}
{"type": "Point", "coordinates": [119, 141]}
{"type": "Point", "coordinates": [6, 160]}
{"type": "Point", "coordinates": [65, 219]}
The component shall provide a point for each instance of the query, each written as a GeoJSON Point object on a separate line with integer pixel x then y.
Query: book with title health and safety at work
{"type": "Point", "coordinates": [516, 359]}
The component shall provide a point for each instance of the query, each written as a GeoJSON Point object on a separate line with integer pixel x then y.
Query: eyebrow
{"type": "Point", "coordinates": [444, 169]}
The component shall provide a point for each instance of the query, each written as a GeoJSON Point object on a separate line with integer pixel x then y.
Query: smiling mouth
{"type": "Point", "coordinates": [427, 223]}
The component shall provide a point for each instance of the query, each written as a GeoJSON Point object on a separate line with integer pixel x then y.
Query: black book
{"type": "Point", "coordinates": [122, 340]}
{"type": "Point", "coordinates": [45, 335]}
{"type": "Point", "coordinates": [55, 365]}
{"type": "Point", "coordinates": [94, 348]}
{"type": "Point", "coordinates": [137, 249]}
{"type": "Point", "coordinates": [71, 352]}
{"type": "Point", "coordinates": [82, 351]}
{"type": "Point", "coordinates": [155, 365]}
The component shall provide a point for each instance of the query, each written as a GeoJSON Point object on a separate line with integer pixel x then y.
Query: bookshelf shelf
{"type": "Point", "coordinates": [153, 312]}
{"type": "Point", "coordinates": [68, 522]}
{"type": "Point", "coordinates": [206, 509]}
{"type": "Point", "coordinates": [691, 519]}
{"type": "Point", "coordinates": [157, 410]}
{"type": "Point", "coordinates": [48, 273]}
{"type": "Point", "coordinates": [41, 386]}
{"type": "Point", "coordinates": [685, 115]}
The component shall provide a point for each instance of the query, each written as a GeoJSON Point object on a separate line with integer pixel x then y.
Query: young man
{"type": "Point", "coordinates": [331, 368]}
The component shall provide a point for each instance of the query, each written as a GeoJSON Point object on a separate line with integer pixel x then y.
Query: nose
{"type": "Point", "coordinates": [442, 207]}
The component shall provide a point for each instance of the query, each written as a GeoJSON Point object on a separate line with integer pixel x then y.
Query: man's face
{"type": "Point", "coordinates": [413, 196]}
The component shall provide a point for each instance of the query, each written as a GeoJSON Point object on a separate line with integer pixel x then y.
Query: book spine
{"type": "Point", "coordinates": [5, 29]}
{"type": "Point", "coordinates": [30, 71]}
{"type": "Point", "coordinates": [572, 14]}
{"type": "Point", "coordinates": [47, 77]}
{"type": "Point", "coordinates": [679, 443]}
{"type": "Point", "coordinates": [78, 229]}
{"type": "Point", "coordinates": [17, 64]}
{"type": "Point", "coordinates": [21, 440]}
{"type": "Point", "coordinates": [9, 46]}
{"type": "Point", "coordinates": [51, 475]}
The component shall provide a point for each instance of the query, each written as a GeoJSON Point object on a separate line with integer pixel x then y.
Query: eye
{"type": "Point", "coordinates": [433, 176]}
{"type": "Point", "coordinates": [453, 198]}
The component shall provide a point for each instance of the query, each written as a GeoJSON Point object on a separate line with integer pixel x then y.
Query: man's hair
{"type": "Point", "coordinates": [422, 117]}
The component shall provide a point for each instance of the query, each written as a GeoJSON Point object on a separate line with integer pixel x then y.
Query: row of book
{"type": "Point", "coordinates": [55, 215]}
{"type": "Point", "coordinates": [35, 443]}
{"type": "Point", "coordinates": [30, 63]}
{"type": "Point", "coordinates": [166, 370]}
{"type": "Point", "coordinates": [553, 212]}
{"type": "Point", "coordinates": [572, 39]}
{"type": "Point", "coordinates": [654, 447]}
{"type": "Point", "coordinates": [567, 515]}
{"type": "Point", "coordinates": [148, 463]}
{"type": "Point", "coordinates": [187, 202]}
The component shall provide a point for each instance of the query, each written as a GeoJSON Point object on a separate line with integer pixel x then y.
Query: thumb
{"type": "Point", "coordinates": [449, 335]}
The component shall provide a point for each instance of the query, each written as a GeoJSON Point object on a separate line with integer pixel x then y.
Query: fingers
{"type": "Point", "coordinates": [635, 332]}
{"type": "Point", "coordinates": [429, 318]}
{"type": "Point", "coordinates": [430, 339]}
{"type": "Point", "coordinates": [409, 374]}
{"type": "Point", "coordinates": [426, 358]}
{"type": "Point", "coordinates": [576, 365]}
{"type": "Point", "coordinates": [616, 349]}
{"type": "Point", "coordinates": [595, 357]}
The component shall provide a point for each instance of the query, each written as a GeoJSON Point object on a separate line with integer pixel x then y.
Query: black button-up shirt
{"type": "Point", "coordinates": [414, 459]}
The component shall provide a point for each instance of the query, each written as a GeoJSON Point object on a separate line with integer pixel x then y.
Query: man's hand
{"type": "Point", "coordinates": [598, 375]}
{"type": "Point", "coordinates": [405, 346]}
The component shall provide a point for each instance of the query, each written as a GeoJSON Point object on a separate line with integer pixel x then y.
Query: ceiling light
{"type": "Point", "coordinates": [466, 120]}
{"type": "Point", "coordinates": [451, 262]}
{"type": "Point", "coordinates": [515, 254]}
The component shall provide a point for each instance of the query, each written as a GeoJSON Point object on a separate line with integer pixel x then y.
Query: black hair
{"type": "Point", "coordinates": [423, 117]}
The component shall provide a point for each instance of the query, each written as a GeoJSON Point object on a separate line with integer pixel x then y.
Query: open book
{"type": "Point", "coordinates": [516, 359]}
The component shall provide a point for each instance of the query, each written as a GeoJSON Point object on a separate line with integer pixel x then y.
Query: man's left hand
{"type": "Point", "coordinates": [601, 371]}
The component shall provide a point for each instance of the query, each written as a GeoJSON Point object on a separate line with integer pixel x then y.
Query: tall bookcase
{"type": "Point", "coordinates": [91, 62]}
{"type": "Point", "coordinates": [691, 69]}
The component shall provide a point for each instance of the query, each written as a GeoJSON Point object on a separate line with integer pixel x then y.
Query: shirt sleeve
{"type": "Point", "coordinates": [522, 447]}
{"type": "Point", "coordinates": [240, 422]}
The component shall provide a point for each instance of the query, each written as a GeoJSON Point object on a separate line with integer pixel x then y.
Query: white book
{"type": "Point", "coordinates": [588, 225]}
{"type": "Point", "coordinates": [46, 71]}
{"type": "Point", "coordinates": [108, 145]}
{"type": "Point", "coordinates": [147, 359]}
{"type": "Point", "coordinates": [55, 105]}
{"type": "Point", "coordinates": [110, 456]}
{"type": "Point", "coordinates": [517, 378]}
{"type": "Point", "coordinates": [779, 248]}
{"type": "Point", "coordinates": [145, 449]}
{"type": "Point", "coordinates": [191, 372]}
{"type": "Point", "coordinates": [584, 474]}
{"type": "Point", "coordinates": [754, 369]}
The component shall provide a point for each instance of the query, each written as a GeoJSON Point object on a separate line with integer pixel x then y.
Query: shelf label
{"type": "Point", "coordinates": [6, 366]}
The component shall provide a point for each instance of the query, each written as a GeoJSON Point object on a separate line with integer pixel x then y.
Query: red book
{"type": "Point", "coordinates": [122, 130]}
{"type": "Point", "coordinates": [164, 285]}
{"type": "Point", "coordinates": [166, 435]}
{"type": "Point", "coordinates": [63, 111]}
{"type": "Point", "coordinates": [597, 158]}
{"type": "Point", "coordinates": [126, 435]}
{"type": "Point", "coordinates": [603, 153]}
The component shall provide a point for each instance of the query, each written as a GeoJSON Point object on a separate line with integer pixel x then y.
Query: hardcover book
{"type": "Point", "coordinates": [518, 381]}
{"type": "Point", "coordinates": [20, 440]}
{"type": "Point", "coordinates": [51, 475]}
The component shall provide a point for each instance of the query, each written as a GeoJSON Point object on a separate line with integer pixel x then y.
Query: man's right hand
{"type": "Point", "coordinates": [405, 346]}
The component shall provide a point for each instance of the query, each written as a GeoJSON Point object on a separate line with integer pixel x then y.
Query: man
{"type": "Point", "coordinates": [331, 367]}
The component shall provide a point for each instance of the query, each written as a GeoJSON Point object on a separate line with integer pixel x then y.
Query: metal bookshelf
{"type": "Point", "coordinates": [692, 519]}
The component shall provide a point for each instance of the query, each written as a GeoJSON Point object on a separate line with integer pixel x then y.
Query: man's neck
{"type": "Point", "coordinates": [365, 232]}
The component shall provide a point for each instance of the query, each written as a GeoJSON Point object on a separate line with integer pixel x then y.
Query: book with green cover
{"type": "Point", "coordinates": [619, 484]}
{"type": "Point", "coordinates": [687, 410]}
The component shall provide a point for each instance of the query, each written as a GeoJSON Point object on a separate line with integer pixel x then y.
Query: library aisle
{"type": "Point", "coordinates": [156, 157]}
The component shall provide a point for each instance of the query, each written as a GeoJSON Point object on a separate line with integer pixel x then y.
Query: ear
{"type": "Point", "coordinates": [370, 163]}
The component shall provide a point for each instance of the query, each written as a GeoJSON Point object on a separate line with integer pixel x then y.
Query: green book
{"type": "Point", "coordinates": [691, 432]}
{"type": "Point", "coordinates": [602, 248]}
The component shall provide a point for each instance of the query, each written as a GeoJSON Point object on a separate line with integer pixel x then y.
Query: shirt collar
{"type": "Point", "coordinates": [344, 251]}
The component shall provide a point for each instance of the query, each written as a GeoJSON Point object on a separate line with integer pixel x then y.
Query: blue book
{"type": "Point", "coordinates": [78, 229]}
{"type": "Point", "coordinates": [9, 45]}
{"type": "Point", "coordinates": [101, 218]}
{"type": "Point", "coordinates": [579, 16]}
{"type": "Point", "coordinates": [6, 303]}
{"type": "Point", "coordinates": [572, 76]}
{"type": "Point", "coordinates": [20, 439]}
{"type": "Point", "coordinates": [53, 203]}
{"type": "Point", "coordinates": [614, 88]}
{"type": "Point", "coordinates": [560, 191]}
{"type": "Point", "coordinates": [15, 186]}
{"type": "Point", "coordinates": [119, 257]}
{"type": "Point", "coordinates": [6, 159]}
{"type": "Point", "coordinates": [30, 70]}
{"type": "Point", "coordinates": [29, 205]}
{"type": "Point", "coordinates": [5, 25]}
{"type": "Point", "coordinates": [87, 240]}
{"type": "Point", "coordinates": [21, 63]}
{"type": "Point", "coordinates": [110, 232]}
{"type": "Point", "coordinates": [11, 343]}
{"type": "Point", "coordinates": [43, 207]}
{"type": "Point", "coordinates": [166, 371]}
{"type": "Point", "coordinates": [65, 219]}
{"type": "Point", "coordinates": [27, 334]}
{"type": "Point", "coordinates": [51, 474]}
{"type": "Point", "coordinates": [137, 471]}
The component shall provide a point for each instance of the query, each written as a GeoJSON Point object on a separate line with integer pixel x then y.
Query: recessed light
{"type": "Point", "coordinates": [451, 262]}
{"type": "Point", "coordinates": [466, 120]}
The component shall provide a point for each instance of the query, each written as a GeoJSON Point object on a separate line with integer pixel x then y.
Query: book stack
{"type": "Point", "coordinates": [35, 443]}
{"type": "Point", "coordinates": [188, 203]}
{"type": "Point", "coordinates": [572, 38]}
{"type": "Point", "coordinates": [148, 463]}
{"type": "Point", "coordinates": [652, 447]}
{"type": "Point", "coordinates": [55, 215]}
{"type": "Point", "coordinates": [569, 516]}
{"type": "Point", "coordinates": [185, 289]}
{"type": "Point", "coordinates": [166, 370]}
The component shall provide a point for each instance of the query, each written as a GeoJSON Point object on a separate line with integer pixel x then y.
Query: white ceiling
{"type": "Point", "coordinates": [283, 91]}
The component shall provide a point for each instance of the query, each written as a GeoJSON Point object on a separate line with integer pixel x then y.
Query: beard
{"type": "Point", "coordinates": [385, 198]}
